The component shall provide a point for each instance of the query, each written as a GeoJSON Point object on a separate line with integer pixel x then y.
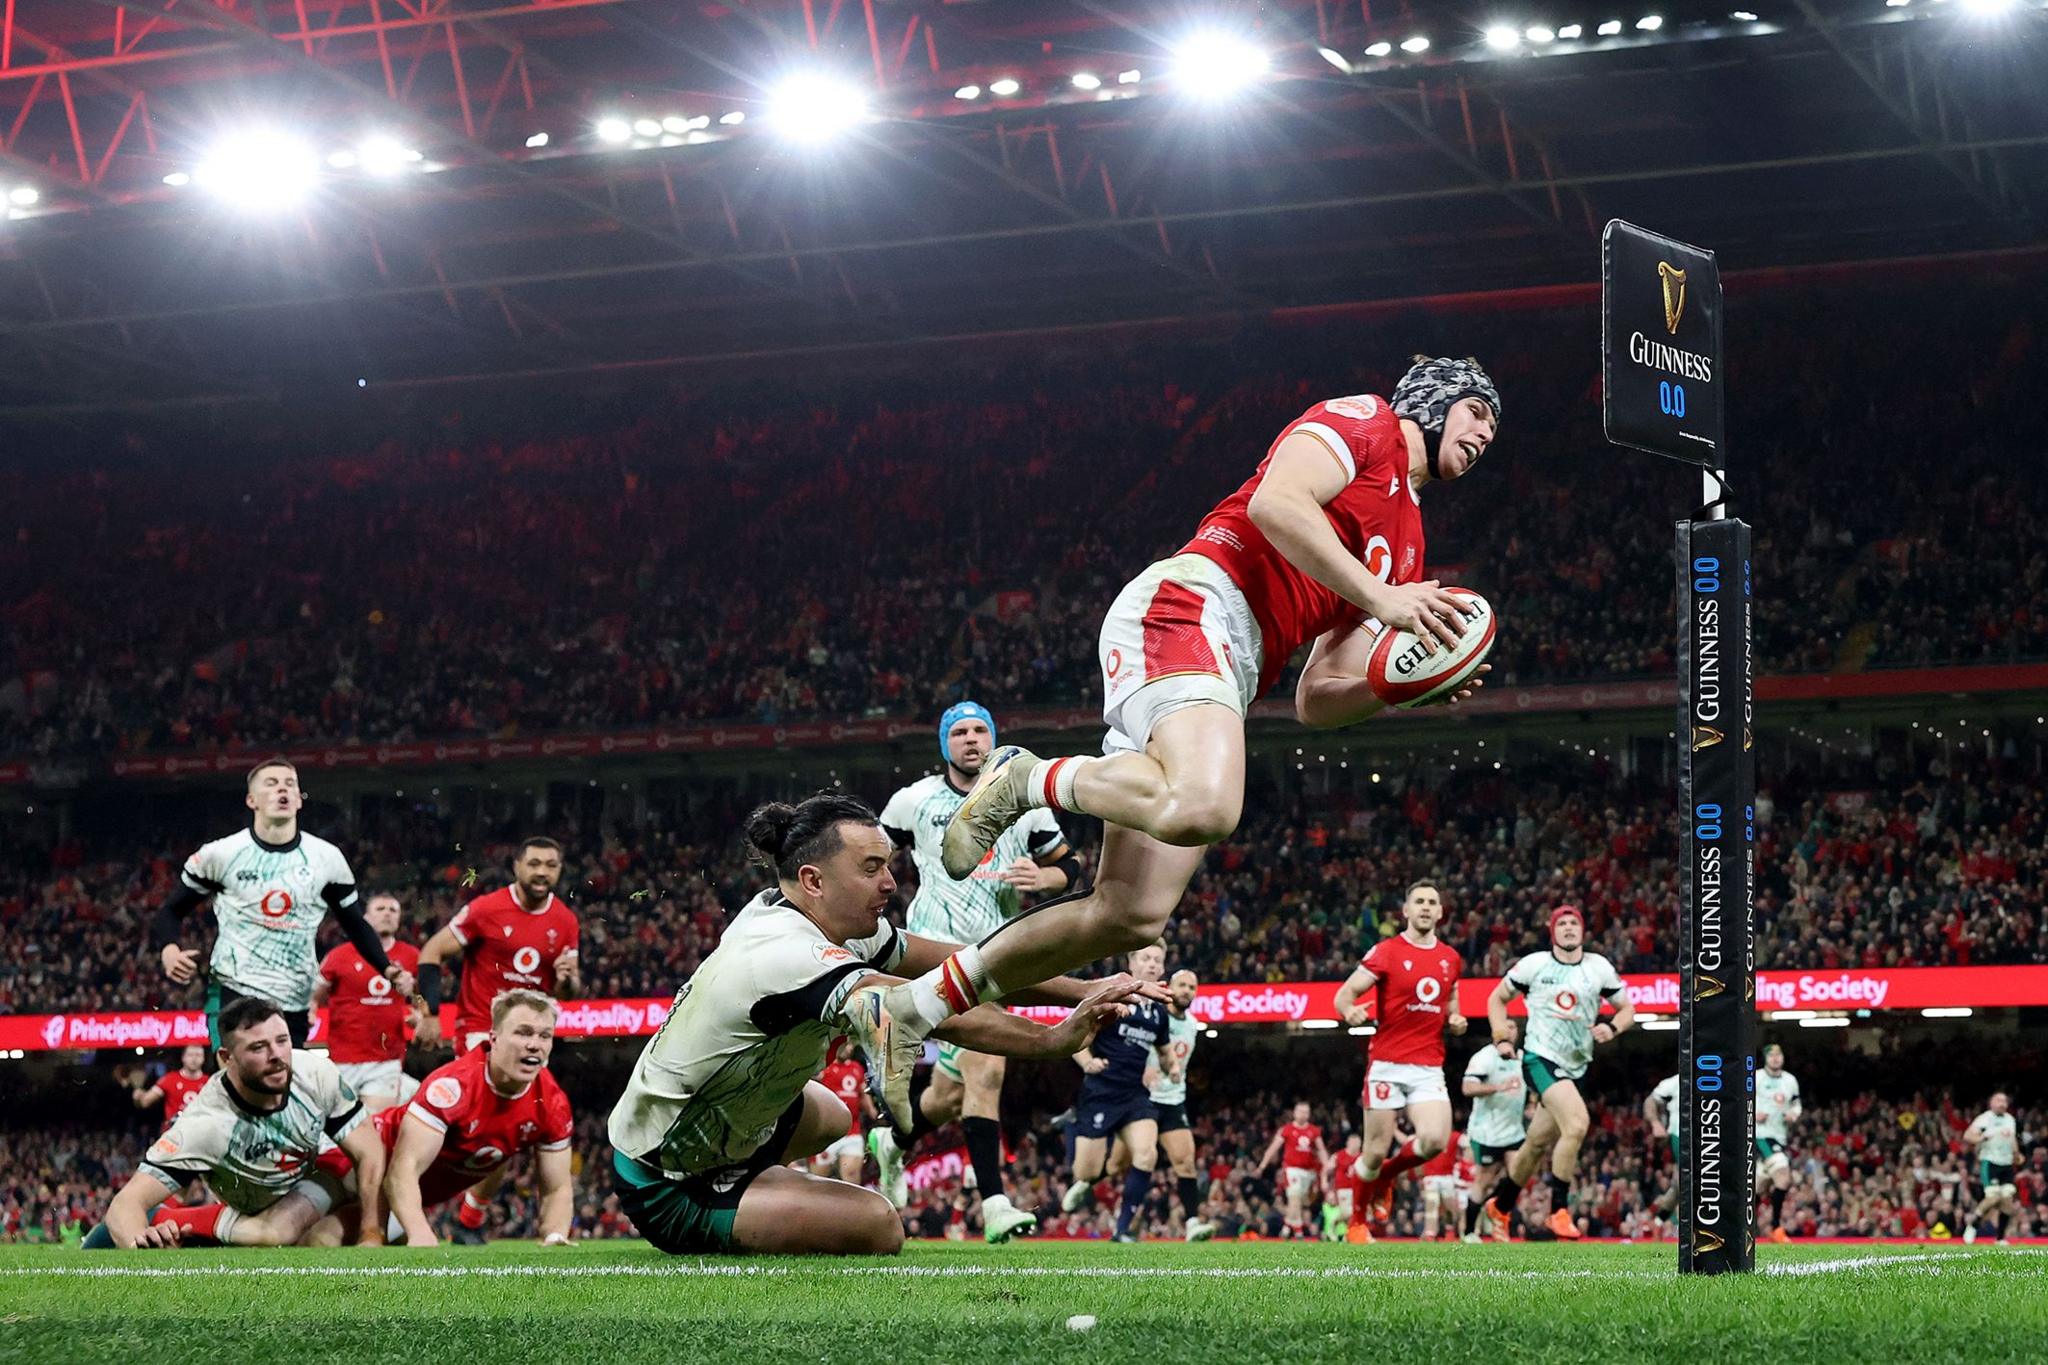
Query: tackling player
{"type": "Point", "coordinates": [366, 1019]}
{"type": "Point", "coordinates": [1033, 858]}
{"type": "Point", "coordinates": [1415, 980]}
{"type": "Point", "coordinates": [1665, 1111]}
{"type": "Point", "coordinates": [722, 1095]}
{"type": "Point", "coordinates": [519, 937]}
{"type": "Point", "coordinates": [254, 1135]}
{"type": "Point", "coordinates": [1995, 1135]}
{"type": "Point", "coordinates": [1299, 1145]}
{"type": "Point", "coordinates": [472, 1116]}
{"type": "Point", "coordinates": [1498, 1122]}
{"type": "Point", "coordinates": [845, 1077]}
{"type": "Point", "coordinates": [1115, 1103]}
{"type": "Point", "coordinates": [1777, 1108]}
{"type": "Point", "coordinates": [271, 884]}
{"type": "Point", "coordinates": [1566, 987]}
{"type": "Point", "coordinates": [175, 1089]}
{"type": "Point", "coordinates": [1325, 536]}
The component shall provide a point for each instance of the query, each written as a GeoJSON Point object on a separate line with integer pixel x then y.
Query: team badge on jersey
{"type": "Point", "coordinates": [445, 1092]}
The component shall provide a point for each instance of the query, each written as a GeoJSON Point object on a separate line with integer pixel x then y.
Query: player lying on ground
{"type": "Point", "coordinates": [722, 1096]}
{"type": "Point", "coordinates": [253, 1134]}
{"type": "Point", "coordinates": [1414, 981]}
{"type": "Point", "coordinates": [1566, 988]}
{"type": "Point", "coordinates": [467, 1122]}
{"type": "Point", "coordinates": [1325, 536]}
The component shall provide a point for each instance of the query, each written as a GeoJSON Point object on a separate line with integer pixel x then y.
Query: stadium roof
{"type": "Point", "coordinates": [228, 200]}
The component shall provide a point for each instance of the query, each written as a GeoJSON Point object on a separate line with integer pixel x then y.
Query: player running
{"type": "Point", "coordinates": [1665, 1110]}
{"type": "Point", "coordinates": [1414, 978]}
{"type": "Point", "coordinates": [1995, 1135]}
{"type": "Point", "coordinates": [1777, 1108]}
{"type": "Point", "coordinates": [271, 884]}
{"type": "Point", "coordinates": [1566, 987]}
{"type": "Point", "coordinates": [1447, 1180]}
{"type": "Point", "coordinates": [1033, 858]}
{"type": "Point", "coordinates": [254, 1135]}
{"type": "Point", "coordinates": [1321, 544]}
{"type": "Point", "coordinates": [175, 1089]}
{"type": "Point", "coordinates": [722, 1095]}
{"type": "Point", "coordinates": [845, 1077]}
{"type": "Point", "coordinates": [366, 1019]}
{"type": "Point", "coordinates": [1170, 1103]}
{"type": "Point", "coordinates": [1115, 1103]}
{"type": "Point", "coordinates": [472, 1116]}
{"type": "Point", "coordinates": [1498, 1122]}
{"type": "Point", "coordinates": [1299, 1145]}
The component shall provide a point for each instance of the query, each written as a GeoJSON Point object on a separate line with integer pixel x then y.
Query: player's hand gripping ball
{"type": "Point", "coordinates": [1404, 672]}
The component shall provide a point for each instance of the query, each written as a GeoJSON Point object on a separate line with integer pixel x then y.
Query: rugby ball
{"type": "Point", "coordinates": [1403, 672]}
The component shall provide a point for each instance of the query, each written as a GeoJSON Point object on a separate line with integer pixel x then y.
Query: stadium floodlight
{"type": "Point", "coordinates": [1005, 86]}
{"type": "Point", "coordinates": [734, 118]}
{"type": "Point", "coordinates": [1086, 80]}
{"type": "Point", "coordinates": [1380, 50]}
{"type": "Point", "coordinates": [967, 92]}
{"type": "Point", "coordinates": [1130, 77]}
{"type": "Point", "coordinates": [1895, 4]}
{"type": "Point", "coordinates": [815, 106]}
{"type": "Point", "coordinates": [259, 169]}
{"type": "Point", "coordinates": [1539, 34]}
{"type": "Point", "coordinates": [178, 179]}
{"type": "Point", "coordinates": [1416, 44]}
{"type": "Point", "coordinates": [1570, 31]}
{"type": "Point", "coordinates": [1609, 28]}
{"type": "Point", "coordinates": [1215, 65]}
{"type": "Point", "coordinates": [697, 124]}
{"type": "Point", "coordinates": [647, 127]}
{"type": "Point", "coordinates": [675, 123]}
{"type": "Point", "coordinates": [385, 156]}
{"type": "Point", "coordinates": [1947, 1012]}
{"type": "Point", "coordinates": [1743, 16]}
{"type": "Point", "coordinates": [1334, 58]}
{"type": "Point", "coordinates": [1650, 23]}
{"type": "Point", "coordinates": [537, 140]}
{"type": "Point", "coordinates": [21, 196]}
{"type": "Point", "coordinates": [1503, 37]}
{"type": "Point", "coordinates": [614, 129]}
{"type": "Point", "coordinates": [1654, 1025]}
{"type": "Point", "coordinates": [342, 160]}
{"type": "Point", "coordinates": [1986, 9]}
{"type": "Point", "coordinates": [1832, 1021]}
{"type": "Point", "coordinates": [1319, 1023]}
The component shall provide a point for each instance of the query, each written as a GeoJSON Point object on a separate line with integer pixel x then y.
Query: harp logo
{"type": "Point", "coordinates": [1673, 280]}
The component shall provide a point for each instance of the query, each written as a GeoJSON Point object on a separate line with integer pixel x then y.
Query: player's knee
{"type": "Point", "coordinates": [1196, 819]}
{"type": "Point", "coordinates": [883, 1230]}
{"type": "Point", "coordinates": [1127, 924]}
{"type": "Point", "coordinates": [1428, 1144]}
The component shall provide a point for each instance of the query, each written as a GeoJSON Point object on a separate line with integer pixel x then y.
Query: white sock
{"type": "Point", "coordinates": [1052, 784]}
{"type": "Point", "coordinates": [224, 1227]}
{"type": "Point", "coordinates": [953, 987]}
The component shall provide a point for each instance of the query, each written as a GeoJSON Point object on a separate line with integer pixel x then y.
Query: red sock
{"type": "Point", "coordinates": [1401, 1160]}
{"type": "Point", "coordinates": [172, 1203]}
{"type": "Point", "coordinates": [471, 1213]}
{"type": "Point", "coordinates": [200, 1224]}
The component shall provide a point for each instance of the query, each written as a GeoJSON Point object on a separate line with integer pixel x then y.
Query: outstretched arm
{"type": "Point", "coordinates": [1497, 1008]}
{"type": "Point", "coordinates": [419, 1142]}
{"type": "Point", "coordinates": [557, 1195]}
{"type": "Point", "coordinates": [1272, 1150]}
{"type": "Point", "coordinates": [128, 1214]}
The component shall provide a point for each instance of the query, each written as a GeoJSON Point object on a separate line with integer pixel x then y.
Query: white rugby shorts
{"type": "Point", "coordinates": [1178, 635]}
{"type": "Point", "coordinates": [853, 1144]}
{"type": "Point", "coordinates": [1300, 1181]}
{"type": "Point", "coordinates": [1396, 1085]}
{"type": "Point", "coordinates": [373, 1078]}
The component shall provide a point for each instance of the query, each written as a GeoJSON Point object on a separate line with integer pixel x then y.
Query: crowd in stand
{"type": "Point", "coordinates": [885, 546]}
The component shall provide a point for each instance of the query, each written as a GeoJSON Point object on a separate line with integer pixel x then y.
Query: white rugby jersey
{"type": "Point", "coordinates": [269, 900]}
{"type": "Point", "coordinates": [1181, 1035]}
{"type": "Point", "coordinates": [1666, 1094]}
{"type": "Point", "coordinates": [1496, 1120]}
{"type": "Point", "coordinates": [1776, 1097]}
{"type": "Point", "coordinates": [746, 1032]}
{"type": "Point", "coordinates": [1564, 1004]}
{"type": "Point", "coordinates": [969, 910]}
{"type": "Point", "coordinates": [252, 1157]}
{"type": "Point", "coordinates": [2000, 1146]}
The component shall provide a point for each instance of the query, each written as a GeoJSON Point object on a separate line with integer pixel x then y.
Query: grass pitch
{"type": "Point", "coordinates": [1223, 1301]}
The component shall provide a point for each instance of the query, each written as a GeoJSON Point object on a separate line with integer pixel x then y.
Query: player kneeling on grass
{"type": "Point", "coordinates": [467, 1122]}
{"type": "Point", "coordinates": [254, 1135]}
{"type": "Point", "coordinates": [723, 1095]}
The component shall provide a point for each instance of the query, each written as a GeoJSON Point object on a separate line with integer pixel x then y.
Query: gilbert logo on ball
{"type": "Point", "coordinates": [1404, 671]}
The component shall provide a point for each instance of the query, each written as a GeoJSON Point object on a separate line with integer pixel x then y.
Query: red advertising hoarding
{"type": "Point", "coordinates": [1845, 988]}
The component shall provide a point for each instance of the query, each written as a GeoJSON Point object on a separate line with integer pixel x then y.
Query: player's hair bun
{"type": "Point", "coordinates": [768, 830]}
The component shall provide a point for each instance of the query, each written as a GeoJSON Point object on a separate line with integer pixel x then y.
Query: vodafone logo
{"type": "Point", "coordinates": [53, 1030]}
{"type": "Point", "coordinates": [275, 904]}
{"type": "Point", "coordinates": [1428, 989]}
{"type": "Point", "coordinates": [1567, 1002]}
{"type": "Point", "coordinates": [1379, 558]}
{"type": "Point", "coordinates": [485, 1157]}
{"type": "Point", "coordinates": [378, 986]}
{"type": "Point", "coordinates": [525, 960]}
